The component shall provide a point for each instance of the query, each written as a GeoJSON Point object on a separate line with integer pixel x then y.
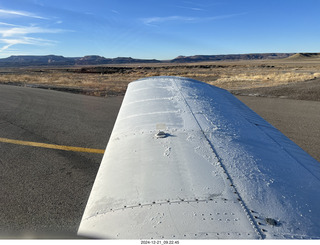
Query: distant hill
{"type": "Point", "coordinates": [230, 57]}
{"type": "Point", "coordinates": [99, 60]}
{"type": "Point", "coordinates": [305, 56]}
{"type": "Point", "coordinates": [55, 60]}
{"type": "Point", "coordinates": [24, 60]}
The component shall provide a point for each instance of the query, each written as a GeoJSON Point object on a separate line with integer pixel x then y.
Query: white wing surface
{"type": "Point", "coordinates": [188, 160]}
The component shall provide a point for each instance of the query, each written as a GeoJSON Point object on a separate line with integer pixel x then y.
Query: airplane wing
{"type": "Point", "coordinates": [188, 160]}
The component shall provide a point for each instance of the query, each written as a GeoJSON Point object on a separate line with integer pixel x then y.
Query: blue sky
{"type": "Point", "coordinates": [157, 29]}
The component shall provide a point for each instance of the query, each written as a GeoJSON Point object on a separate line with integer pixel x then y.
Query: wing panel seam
{"type": "Point", "coordinates": [242, 203]}
{"type": "Point", "coordinates": [159, 202]}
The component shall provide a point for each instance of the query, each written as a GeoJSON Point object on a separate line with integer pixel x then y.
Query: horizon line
{"type": "Point", "coordinates": [220, 54]}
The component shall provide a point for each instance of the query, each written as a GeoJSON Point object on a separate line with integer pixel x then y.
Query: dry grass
{"type": "Point", "coordinates": [246, 81]}
{"type": "Point", "coordinates": [106, 81]}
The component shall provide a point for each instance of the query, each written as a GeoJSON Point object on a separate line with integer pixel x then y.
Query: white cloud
{"type": "Point", "coordinates": [14, 13]}
{"type": "Point", "coordinates": [27, 40]}
{"type": "Point", "coordinates": [25, 30]}
{"type": "Point", "coordinates": [6, 24]}
{"type": "Point", "coordinates": [12, 35]}
{"type": "Point", "coordinates": [5, 47]}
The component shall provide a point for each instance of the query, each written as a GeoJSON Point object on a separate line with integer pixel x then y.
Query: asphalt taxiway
{"type": "Point", "coordinates": [44, 189]}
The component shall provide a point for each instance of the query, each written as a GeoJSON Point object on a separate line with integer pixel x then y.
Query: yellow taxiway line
{"type": "Point", "coordinates": [51, 146]}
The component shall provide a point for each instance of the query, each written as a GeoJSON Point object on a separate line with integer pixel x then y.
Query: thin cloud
{"type": "Point", "coordinates": [6, 12]}
{"type": "Point", "coordinates": [6, 24]}
{"type": "Point", "coordinates": [158, 20]}
{"type": "Point", "coordinates": [5, 47]}
{"type": "Point", "coordinates": [26, 41]}
{"type": "Point", "coordinates": [154, 20]}
{"type": "Point", "coordinates": [227, 16]}
{"type": "Point", "coordinates": [13, 35]}
{"type": "Point", "coordinates": [191, 8]}
{"type": "Point", "coordinates": [114, 11]}
{"type": "Point", "coordinates": [25, 30]}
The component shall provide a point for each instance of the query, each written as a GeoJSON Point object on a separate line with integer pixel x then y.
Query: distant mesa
{"type": "Point", "coordinates": [55, 60]}
{"type": "Point", "coordinates": [305, 56]}
{"type": "Point", "coordinates": [230, 57]}
{"type": "Point", "coordinates": [33, 60]}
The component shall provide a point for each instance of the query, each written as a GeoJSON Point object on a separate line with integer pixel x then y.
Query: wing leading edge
{"type": "Point", "coordinates": [188, 160]}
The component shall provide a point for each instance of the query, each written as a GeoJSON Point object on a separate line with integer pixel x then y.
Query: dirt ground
{"type": "Point", "coordinates": [297, 79]}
